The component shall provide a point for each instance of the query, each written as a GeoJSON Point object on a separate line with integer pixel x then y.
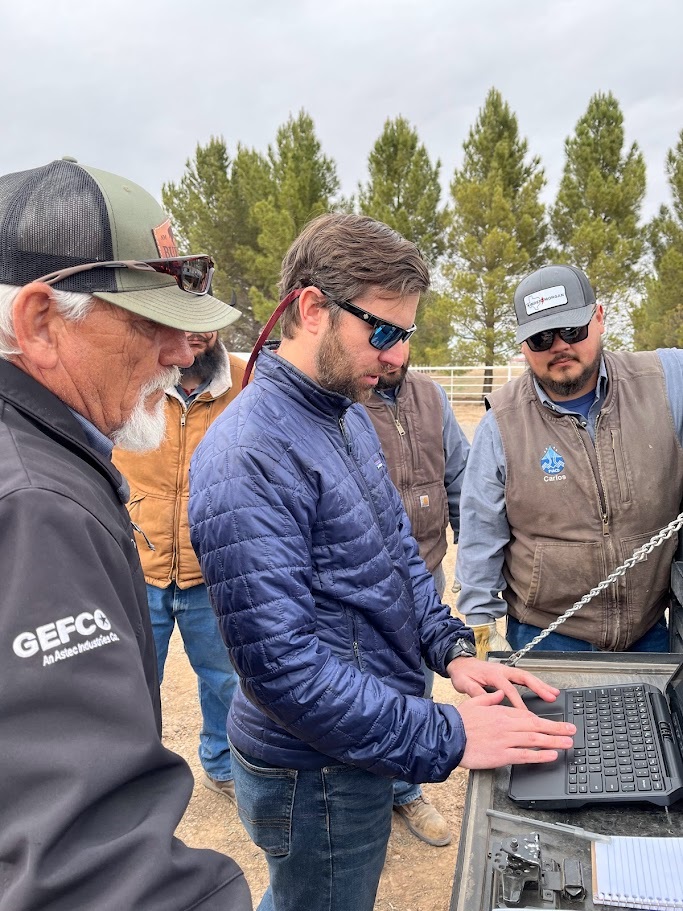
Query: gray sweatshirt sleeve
{"type": "Point", "coordinates": [456, 449]}
{"type": "Point", "coordinates": [484, 530]}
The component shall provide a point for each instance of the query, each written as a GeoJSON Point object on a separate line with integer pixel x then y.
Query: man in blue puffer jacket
{"type": "Point", "coordinates": [321, 595]}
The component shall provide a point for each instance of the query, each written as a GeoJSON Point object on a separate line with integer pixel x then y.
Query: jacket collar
{"type": "Point", "coordinates": [50, 413]}
{"type": "Point", "coordinates": [297, 385]}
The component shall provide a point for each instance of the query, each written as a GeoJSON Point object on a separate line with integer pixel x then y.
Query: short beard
{"type": "Point", "coordinates": [144, 429]}
{"type": "Point", "coordinates": [205, 366]}
{"type": "Point", "coordinates": [569, 388]}
{"type": "Point", "coordinates": [393, 380]}
{"type": "Point", "coordinates": [334, 371]}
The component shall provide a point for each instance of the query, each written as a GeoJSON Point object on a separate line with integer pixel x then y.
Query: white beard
{"type": "Point", "coordinates": [145, 429]}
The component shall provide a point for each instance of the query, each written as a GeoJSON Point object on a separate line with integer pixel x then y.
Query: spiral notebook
{"type": "Point", "coordinates": [634, 872]}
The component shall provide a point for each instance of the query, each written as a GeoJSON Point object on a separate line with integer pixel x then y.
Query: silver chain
{"type": "Point", "coordinates": [637, 557]}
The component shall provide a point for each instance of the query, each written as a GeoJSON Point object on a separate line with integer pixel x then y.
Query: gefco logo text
{"type": "Point", "coordinates": [93, 630]}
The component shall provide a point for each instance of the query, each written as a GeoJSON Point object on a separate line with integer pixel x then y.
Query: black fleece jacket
{"type": "Point", "coordinates": [89, 797]}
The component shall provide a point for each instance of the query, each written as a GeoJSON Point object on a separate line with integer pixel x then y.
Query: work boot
{"type": "Point", "coordinates": [224, 788]}
{"type": "Point", "coordinates": [424, 821]}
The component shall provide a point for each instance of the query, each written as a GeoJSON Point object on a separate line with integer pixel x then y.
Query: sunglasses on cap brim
{"type": "Point", "coordinates": [192, 273]}
{"type": "Point", "coordinates": [543, 341]}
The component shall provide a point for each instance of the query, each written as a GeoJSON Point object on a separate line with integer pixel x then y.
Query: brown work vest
{"type": "Point", "coordinates": [577, 510]}
{"type": "Point", "coordinates": [411, 434]}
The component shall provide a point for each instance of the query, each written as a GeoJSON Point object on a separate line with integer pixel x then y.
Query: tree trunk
{"type": "Point", "coordinates": [488, 380]}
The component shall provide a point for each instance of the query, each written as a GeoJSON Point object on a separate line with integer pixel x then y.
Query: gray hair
{"type": "Point", "coordinates": [72, 305]}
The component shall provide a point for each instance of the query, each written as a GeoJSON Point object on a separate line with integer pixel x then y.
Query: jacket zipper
{"type": "Point", "coordinates": [176, 508]}
{"type": "Point", "coordinates": [604, 514]}
{"type": "Point", "coordinates": [397, 421]}
{"type": "Point", "coordinates": [602, 500]}
{"type": "Point", "coordinates": [342, 428]}
{"type": "Point", "coordinates": [403, 472]}
{"type": "Point", "coordinates": [356, 649]}
{"type": "Point", "coordinates": [141, 532]}
{"type": "Point", "coordinates": [603, 496]}
{"type": "Point", "coordinates": [347, 442]}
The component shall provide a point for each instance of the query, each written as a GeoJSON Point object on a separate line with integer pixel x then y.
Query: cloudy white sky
{"type": "Point", "coordinates": [132, 86]}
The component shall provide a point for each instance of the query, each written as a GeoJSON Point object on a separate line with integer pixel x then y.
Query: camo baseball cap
{"type": "Point", "coordinates": [554, 297]}
{"type": "Point", "coordinates": [66, 214]}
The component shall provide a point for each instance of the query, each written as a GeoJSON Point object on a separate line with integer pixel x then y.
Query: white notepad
{"type": "Point", "coordinates": [638, 872]}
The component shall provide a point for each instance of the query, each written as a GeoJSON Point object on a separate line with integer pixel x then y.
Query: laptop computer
{"type": "Point", "coordinates": [628, 748]}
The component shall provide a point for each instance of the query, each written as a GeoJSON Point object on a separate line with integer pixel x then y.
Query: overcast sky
{"type": "Point", "coordinates": [132, 87]}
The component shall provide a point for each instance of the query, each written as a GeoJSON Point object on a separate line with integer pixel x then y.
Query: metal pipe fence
{"type": "Point", "coordinates": [466, 384]}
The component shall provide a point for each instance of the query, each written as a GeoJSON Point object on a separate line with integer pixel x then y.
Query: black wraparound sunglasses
{"type": "Point", "coordinates": [543, 341]}
{"type": "Point", "coordinates": [384, 334]}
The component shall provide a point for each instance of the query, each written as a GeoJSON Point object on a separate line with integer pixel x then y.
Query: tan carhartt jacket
{"type": "Point", "coordinates": [575, 520]}
{"type": "Point", "coordinates": [159, 480]}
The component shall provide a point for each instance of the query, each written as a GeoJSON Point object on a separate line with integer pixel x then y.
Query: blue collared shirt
{"type": "Point", "coordinates": [103, 446]}
{"type": "Point", "coordinates": [485, 529]}
{"type": "Point", "coordinates": [96, 439]}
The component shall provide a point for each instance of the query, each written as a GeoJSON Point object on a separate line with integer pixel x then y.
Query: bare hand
{"type": "Point", "coordinates": [498, 735]}
{"type": "Point", "coordinates": [470, 676]}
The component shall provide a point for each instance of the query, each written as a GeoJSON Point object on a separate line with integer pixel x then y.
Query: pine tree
{"type": "Point", "coordinates": [430, 344]}
{"type": "Point", "coordinates": [403, 188]}
{"type": "Point", "coordinates": [595, 218]}
{"type": "Point", "coordinates": [658, 321]}
{"type": "Point", "coordinates": [304, 185]}
{"type": "Point", "coordinates": [497, 234]}
{"type": "Point", "coordinates": [212, 208]}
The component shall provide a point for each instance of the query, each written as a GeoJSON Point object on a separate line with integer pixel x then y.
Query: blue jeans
{"type": "Point", "coordinates": [324, 832]}
{"type": "Point", "coordinates": [206, 652]}
{"type": "Point", "coordinates": [519, 634]}
{"type": "Point", "coordinates": [404, 791]}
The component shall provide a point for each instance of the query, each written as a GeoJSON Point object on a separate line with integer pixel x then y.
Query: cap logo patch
{"type": "Point", "coordinates": [546, 299]}
{"type": "Point", "coordinates": [165, 241]}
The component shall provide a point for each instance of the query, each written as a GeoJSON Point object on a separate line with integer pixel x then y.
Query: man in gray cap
{"type": "Point", "coordinates": [576, 464]}
{"type": "Point", "coordinates": [94, 304]}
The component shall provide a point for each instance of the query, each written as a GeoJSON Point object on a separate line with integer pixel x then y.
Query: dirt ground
{"type": "Point", "coordinates": [416, 877]}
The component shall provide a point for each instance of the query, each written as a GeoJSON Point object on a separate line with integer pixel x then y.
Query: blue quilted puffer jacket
{"type": "Point", "coordinates": [322, 598]}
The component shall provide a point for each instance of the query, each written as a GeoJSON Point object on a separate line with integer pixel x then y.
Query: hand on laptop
{"type": "Point", "coordinates": [470, 676]}
{"type": "Point", "coordinates": [497, 735]}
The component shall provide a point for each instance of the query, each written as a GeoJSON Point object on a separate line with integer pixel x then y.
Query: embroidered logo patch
{"type": "Point", "coordinates": [546, 299]}
{"type": "Point", "coordinates": [164, 240]}
{"type": "Point", "coordinates": [551, 461]}
{"type": "Point", "coordinates": [424, 501]}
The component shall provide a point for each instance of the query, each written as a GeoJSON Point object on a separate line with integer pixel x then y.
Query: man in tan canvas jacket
{"type": "Point", "coordinates": [159, 483]}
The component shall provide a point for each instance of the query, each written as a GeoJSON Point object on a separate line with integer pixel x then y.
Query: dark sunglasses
{"type": "Point", "coordinates": [384, 335]}
{"type": "Point", "coordinates": [543, 341]}
{"type": "Point", "coordinates": [192, 273]}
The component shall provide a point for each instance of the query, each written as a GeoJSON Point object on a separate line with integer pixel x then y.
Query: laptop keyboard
{"type": "Point", "coordinates": [615, 747]}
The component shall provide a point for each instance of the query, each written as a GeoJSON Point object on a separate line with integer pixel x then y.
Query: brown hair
{"type": "Point", "coordinates": [346, 255]}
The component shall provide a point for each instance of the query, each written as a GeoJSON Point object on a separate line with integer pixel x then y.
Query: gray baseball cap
{"type": "Point", "coordinates": [554, 297]}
